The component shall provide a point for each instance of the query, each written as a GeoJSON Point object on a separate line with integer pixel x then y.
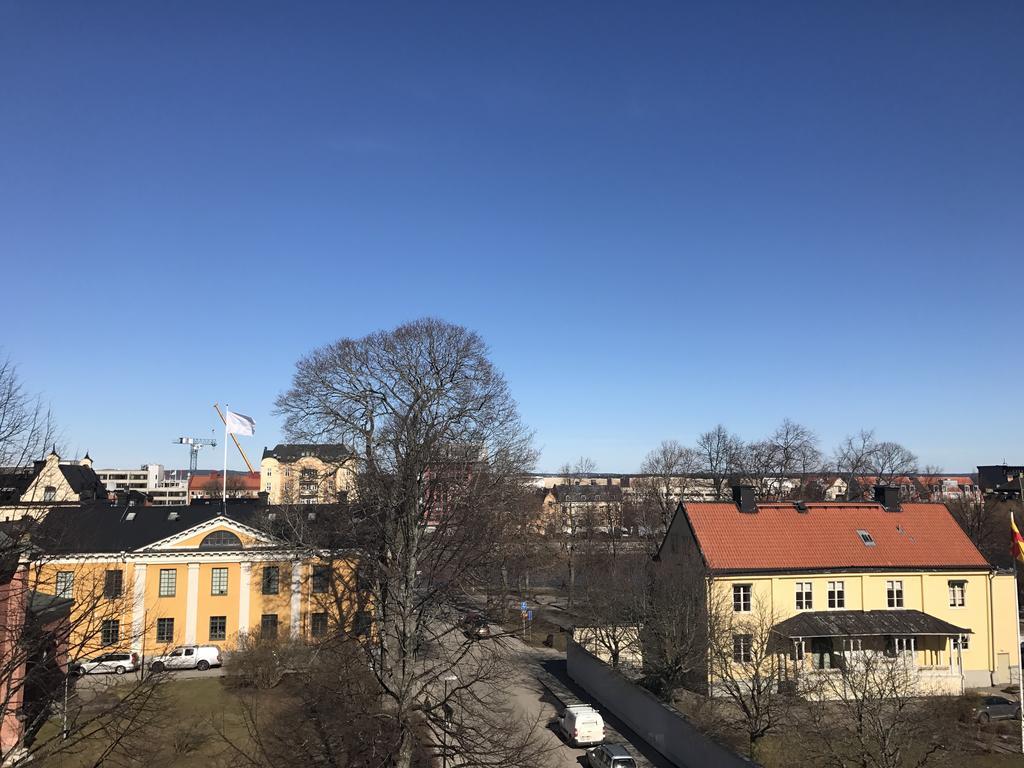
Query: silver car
{"type": "Point", "coordinates": [118, 663]}
{"type": "Point", "coordinates": [997, 708]}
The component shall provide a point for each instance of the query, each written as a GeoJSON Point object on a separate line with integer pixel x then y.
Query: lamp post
{"type": "Point", "coordinates": [449, 678]}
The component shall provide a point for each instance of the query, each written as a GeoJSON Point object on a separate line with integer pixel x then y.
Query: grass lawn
{"type": "Point", "coordinates": [193, 709]}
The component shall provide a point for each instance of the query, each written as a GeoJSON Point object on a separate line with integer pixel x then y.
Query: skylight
{"type": "Point", "coordinates": [866, 538]}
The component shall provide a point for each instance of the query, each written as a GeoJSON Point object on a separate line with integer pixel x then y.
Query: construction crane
{"type": "Point", "coordinates": [216, 407]}
{"type": "Point", "coordinates": [194, 444]}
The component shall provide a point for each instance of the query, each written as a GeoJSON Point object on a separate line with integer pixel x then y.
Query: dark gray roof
{"type": "Point", "coordinates": [294, 451]}
{"type": "Point", "coordinates": [865, 624]}
{"type": "Point", "coordinates": [103, 526]}
{"type": "Point", "coordinates": [83, 479]}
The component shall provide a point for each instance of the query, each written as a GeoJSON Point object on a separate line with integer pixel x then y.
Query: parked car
{"type": "Point", "coordinates": [581, 725]}
{"type": "Point", "coordinates": [475, 625]}
{"type": "Point", "coordinates": [200, 657]}
{"type": "Point", "coordinates": [997, 708]}
{"type": "Point", "coordinates": [118, 662]}
{"type": "Point", "coordinates": [610, 756]}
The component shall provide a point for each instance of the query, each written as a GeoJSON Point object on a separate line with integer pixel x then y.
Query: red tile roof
{"type": "Point", "coordinates": [778, 537]}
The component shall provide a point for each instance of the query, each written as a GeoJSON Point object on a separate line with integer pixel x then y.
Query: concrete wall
{"type": "Point", "coordinates": [659, 725]}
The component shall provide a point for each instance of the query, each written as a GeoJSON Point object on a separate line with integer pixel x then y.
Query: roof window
{"type": "Point", "coordinates": [866, 538]}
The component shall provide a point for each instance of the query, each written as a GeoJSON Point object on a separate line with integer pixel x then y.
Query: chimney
{"type": "Point", "coordinates": [888, 496]}
{"type": "Point", "coordinates": [264, 498]}
{"type": "Point", "coordinates": [743, 495]}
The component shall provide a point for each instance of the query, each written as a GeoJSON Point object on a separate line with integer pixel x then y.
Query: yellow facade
{"type": "Point", "coordinates": [987, 611]}
{"type": "Point", "coordinates": [307, 479]}
{"type": "Point", "coordinates": [178, 581]}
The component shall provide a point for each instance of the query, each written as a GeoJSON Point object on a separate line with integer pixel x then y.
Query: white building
{"type": "Point", "coordinates": [149, 479]}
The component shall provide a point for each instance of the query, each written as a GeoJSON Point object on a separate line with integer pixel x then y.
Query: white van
{"type": "Point", "coordinates": [581, 725]}
{"type": "Point", "coordinates": [200, 657]}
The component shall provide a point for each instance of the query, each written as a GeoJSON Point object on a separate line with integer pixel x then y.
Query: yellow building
{"type": "Point", "coordinates": [50, 481]}
{"type": "Point", "coordinates": [837, 580]}
{"type": "Point", "coordinates": [143, 578]}
{"type": "Point", "coordinates": [306, 474]}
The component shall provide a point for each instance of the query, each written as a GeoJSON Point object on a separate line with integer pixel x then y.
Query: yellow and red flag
{"type": "Point", "coordinates": [1017, 547]}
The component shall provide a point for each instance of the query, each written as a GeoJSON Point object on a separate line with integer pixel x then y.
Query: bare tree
{"type": "Point", "coordinates": [666, 474]}
{"type": "Point", "coordinates": [891, 461]}
{"type": "Point", "coordinates": [439, 457]}
{"type": "Point", "coordinates": [718, 451]}
{"type": "Point", "coordinates": [747, 669]}
{"type": "Point", "coordinates": [872, 711]}
{"type": "Point", "coordinates": [573, 519]}
{"type": "Point", "coordinates": [26, 424]}
{"type": "Point", "coordinates": [55, 614]}
{"type": "Point", "coordinates": [861, 455]}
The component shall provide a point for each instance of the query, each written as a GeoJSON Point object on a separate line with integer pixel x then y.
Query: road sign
{"type": "Point", "coordinates": [522, 606]}
{"type": "Point", "coordinates": [523, 615]}
{"type": "Point", "coordinates": [529, 615]}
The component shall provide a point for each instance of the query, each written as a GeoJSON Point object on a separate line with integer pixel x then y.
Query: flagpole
{"type": "Point", "coordinates": [1016, 623]}
{"type": "Point", "coordinates": [224, 489]}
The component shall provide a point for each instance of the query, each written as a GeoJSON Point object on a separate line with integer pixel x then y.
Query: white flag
{"type": "Point", "coordinates": [239, 424]}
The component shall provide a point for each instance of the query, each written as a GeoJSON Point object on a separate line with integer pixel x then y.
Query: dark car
{"type": "Point", "coordinates": [997, 708]}
{"type": "Point", "coordinates": [475, 625]}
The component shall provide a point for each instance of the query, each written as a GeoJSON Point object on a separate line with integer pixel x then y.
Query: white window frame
{"type": "Point", "coordinates": [894, 597]}
{"type": "Point", "coordinates": [837, 595]}
{"type": "Point", "coordinates": [742, 596]}
{"type": "Point", "coordinates": [170, 588]}
{"type": "Point", "coordinates": [957, 593]}
{"type": "Point", "coordinates": [216, 576]}
{"type": "Point", "coordinates": [805, 596]}
{"type": "Point", "coordinates": [65, 584]}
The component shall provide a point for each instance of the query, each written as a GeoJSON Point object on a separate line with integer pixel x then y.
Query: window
{"type": "Point", "coordinates": [741, 598]}
{"type": "Point", "coordinates": [963, 642]}
{"type": "Point", "coordinates": [65, 584]}
{"type": "Point", "coordinates": [165, 630]}
{"type": "Point", "coordinates": [218, 627]}
{"type": "Point", "coordinates": [49, 493]}
{"type": "Point", "coordinates": [836, 594]}
{"type": "Point", "coordinates": [219, 581]}
{"type": "Point", "coordinates": [957, 590]}
{"type": "Point", "coordinates": [168, 582]}
{"type": "Point", "coordinates": [318, 624]}
{"type": "Point", "coordinates": [804, 600]}
{"type": "Point", "coordinates": [741, 649]}
{"type": "Point", "coordinates": [894, 594]}
{"type": "Point", "coordinates": [321, 579]}
{"type": "Point", "coordinates": [110, 631]}
{"type": "Point", "coordinates": [271, 579]}
{"type": "Point", "coordinates": [268, 625]}
{"type": "Point", "coordinates": [113, 583]}
{"type": "Point", "coordinates": [221, 540]}
{"type": "Point", "coordinates": [866, 538]}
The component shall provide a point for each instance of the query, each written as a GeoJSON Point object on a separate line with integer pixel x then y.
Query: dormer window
{"type": "Point", "coordinates": [865, 537]}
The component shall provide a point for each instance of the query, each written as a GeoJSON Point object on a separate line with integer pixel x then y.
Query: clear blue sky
{"type": "Point", "coordinates": [659, 216]}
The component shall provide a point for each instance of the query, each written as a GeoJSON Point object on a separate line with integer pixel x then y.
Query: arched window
{"type": "Point", "coordinates": [221, 540]}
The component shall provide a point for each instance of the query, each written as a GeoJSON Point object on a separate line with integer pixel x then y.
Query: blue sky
{"type": "Point", "coordinates": [660, 216]}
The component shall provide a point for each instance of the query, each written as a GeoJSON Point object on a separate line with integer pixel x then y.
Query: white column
{"type": "Point", "coordinates": [139, 609]}
{"type": "Point", "coordinates": [296, 608]}
{"type": "Point", "coordinates": [243, 598]}
{"type": "Point", "coordinates": [192, 603]}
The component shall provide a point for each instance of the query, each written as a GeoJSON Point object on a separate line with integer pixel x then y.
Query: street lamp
{"type": "Point", "coordinates": [449, 678]}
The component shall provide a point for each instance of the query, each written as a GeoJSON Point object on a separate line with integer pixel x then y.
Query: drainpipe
{"type": "Point", "coordinates": [991, 632]}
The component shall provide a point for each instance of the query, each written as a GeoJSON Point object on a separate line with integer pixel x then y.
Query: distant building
{"type": "Point", "coordinates": [293, 473]}
{"type": "Point", "coordinates": [51, 481]}
{"type": "Point", "coordinates": [581, 508]}
{"type": "Point", "coordinates": [1000, 480]}
{"type": "Point", "coordinates": [209, 484]}
{"type": "Point", "coordinates": [149, 479]}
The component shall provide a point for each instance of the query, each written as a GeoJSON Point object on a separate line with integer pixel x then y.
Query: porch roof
{"type": "Point", "coordinates": [866, 624]}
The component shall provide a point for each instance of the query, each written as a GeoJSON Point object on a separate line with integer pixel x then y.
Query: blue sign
{"type": "Point", "coordinates": [529, 615]}
{"type": "Point", "coordinates": [522, 606]}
